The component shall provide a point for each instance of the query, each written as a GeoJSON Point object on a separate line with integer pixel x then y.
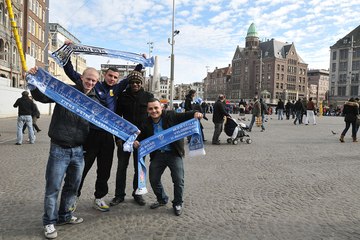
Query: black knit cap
{"type": "Point", "coordinates": [135, 76]}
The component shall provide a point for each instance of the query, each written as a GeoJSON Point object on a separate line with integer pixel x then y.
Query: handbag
{"type": "Point", "coordinates": [358, 119]}
{"type": "Point", "coordinates": [258, 121]}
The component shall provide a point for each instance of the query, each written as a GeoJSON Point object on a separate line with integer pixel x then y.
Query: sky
{"type": "Point", "coordinates": [210, 30]}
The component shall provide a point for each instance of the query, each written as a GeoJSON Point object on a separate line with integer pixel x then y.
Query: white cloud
{"type": "Point", "coordinates": [210, 30]}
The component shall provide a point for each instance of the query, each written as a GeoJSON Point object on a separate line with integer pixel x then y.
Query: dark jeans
{"type": "Point", "coordinates": [217, 131]}
{"type": "Point", "coordinates": [353, 128]}
{"type": "Point", "coordinates": [99, 145]}
{"type": "Point", "coordinates": [123, 162]}
{"type": "Point", "coordinates": [157, 167]}
{"type": "Point", "coordinates": [298, 117]}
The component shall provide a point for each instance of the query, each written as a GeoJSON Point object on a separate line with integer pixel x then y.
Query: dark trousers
{"type": "Point", "coordinates": [217, 131]}
{"type": "Point", "coordinates": [123, 162]}
{"type": "Point", "coordinates": [99, 145]}
{"type": "Point", "coordinates": [157, 167]}
{"type": "Point", "coordinates": [353, 128]}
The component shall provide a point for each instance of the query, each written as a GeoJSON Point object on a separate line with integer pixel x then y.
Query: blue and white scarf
{"type": "Point", "coordinates": [83, 106]}
{"type": "Point", "coordinates": [62, 55]}
{"type": "Point", "coordinates": [148, 145]}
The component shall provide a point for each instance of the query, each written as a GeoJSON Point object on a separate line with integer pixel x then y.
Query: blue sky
{"type": "Point", "coordinates": [210, 30]}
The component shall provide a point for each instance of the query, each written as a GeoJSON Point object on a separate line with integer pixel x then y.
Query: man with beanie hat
{"type": "Point", "coordinates": [132, 106]}
{"type": "Point", "coordinates": [25, 112]}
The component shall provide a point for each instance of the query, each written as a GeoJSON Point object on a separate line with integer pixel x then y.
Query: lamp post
{"type": "Point", "coordinates": [150, 81]}
{"type": "Point", "coordinates": [172, 42]}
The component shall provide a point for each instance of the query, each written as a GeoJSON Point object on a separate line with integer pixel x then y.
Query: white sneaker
{"type": "Point", "coordinates": [50, 231]}
{"type": "Point", "coordinates": [100, 205]}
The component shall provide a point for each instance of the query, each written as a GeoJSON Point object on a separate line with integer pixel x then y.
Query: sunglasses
{"type": "Point", "coordinates": [135, 82]}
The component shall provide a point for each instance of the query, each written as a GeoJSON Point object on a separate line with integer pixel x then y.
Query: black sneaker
{"type": "Point", "coordinates": [157, 204]}
{"type": "Point", "coordinates": [116, 200]}
{"type": "Point", "coordinates": [178, 210]}
{"type": "Point", "coordinates": [139, 200]}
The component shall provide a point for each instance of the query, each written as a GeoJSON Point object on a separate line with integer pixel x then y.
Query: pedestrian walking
{"type": "Point", "coordinates": [67, 134]}
{"type": "Point", "coordinates": [350, 112]}
{"type": "Point", "coordinates": [35, 115]}
{"type": "Point", "coordinates": [26, 108]}
{"type": "Point", "coordinates": [310, 112]}
{"type": "Point", "coordinates": [219, 113]}
{"type": "Point", "coordinates": [256, 113]}
{"type": "Point", "coordinates": [170, 156]}
{"type": "Point", "coordinates": [280, 109]}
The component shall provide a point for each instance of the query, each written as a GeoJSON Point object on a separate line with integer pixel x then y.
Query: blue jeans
{"type": "Point", "coordinates": [21, 121]}
{"type": "Point", "coordinates": [69, 161]}
{"type": "Point", "coordinates": [157, 167]}
{"type": "Point", "coordinates": [280, 114]}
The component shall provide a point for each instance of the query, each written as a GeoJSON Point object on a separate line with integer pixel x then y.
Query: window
{"type": "Point", "coordinates": [1, 13]}
{"type": "Point", "coordinates": [6, 19]}
{"type": "Point", "coordinates": [14, 57]}
{"type": "Point", "coordinates": [344, 54]}
{"type": "Point", "coordinates": [2, 49]}
{"type": "Point", "coordinates": [343, 66]}
{"type": "Point", "coordinates": [333, 67]}
{"type": "Point", "coordinates": [334, 55]}
{"type": "Point", "coordinates": [356, 65]}
{"type": "Point", "coordinates": [6, 51]}
{"type": "Point", "coordinates": [342, 91]}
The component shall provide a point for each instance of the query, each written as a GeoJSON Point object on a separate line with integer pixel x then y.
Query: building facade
{"type": "Point", "coordinates": [216, 83]}
{"type": "Point", "coordinates": [57, 38]}
{"type": "Point", "coordinates": [345, 68]}
{"type": "Point", "coordinates": [269, 69]}
{"type": "Point", "coordinates": [30, 18]}
{"type": "Point", "coordinates": [318, 80]}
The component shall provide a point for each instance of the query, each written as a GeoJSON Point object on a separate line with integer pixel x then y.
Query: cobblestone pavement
{"type": "Point", "coordinates": [292, 182]}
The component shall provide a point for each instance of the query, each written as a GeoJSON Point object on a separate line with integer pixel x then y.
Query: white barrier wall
{"type": "Point", "coordinates": [8, 97]}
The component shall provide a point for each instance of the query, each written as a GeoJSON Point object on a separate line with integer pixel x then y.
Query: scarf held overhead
{"type": "Point", "coordinates": [62, 55]}
{"type": "Point", "coordinates": [83, 106]}
{"type": "Point", "coordinates": [177, 132]}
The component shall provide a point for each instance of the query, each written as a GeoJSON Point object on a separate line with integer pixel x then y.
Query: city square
{"type": "Point", "coordinates": [291, 182]}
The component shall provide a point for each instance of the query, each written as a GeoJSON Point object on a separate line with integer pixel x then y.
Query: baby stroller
{"type": "Point", "coordinates": [236, 132]}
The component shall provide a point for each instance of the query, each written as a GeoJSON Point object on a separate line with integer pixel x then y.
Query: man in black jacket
{"type": "Point", "coordinates": [131, 105]}
{"type": "Point", "coordinates": [26, 108]}
{"type": "Point", "coordinates": [168, 156]}
{"type": "Point", "coordinates": [67, 134]}
{"type": "Point", "coordinates": [218, 118]}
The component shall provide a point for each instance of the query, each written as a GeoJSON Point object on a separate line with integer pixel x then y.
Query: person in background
{"type": "Point", "coordinates": [218, 118]}
{"type": "Point", "coordinates": [256, 112]}
{"type": "Point", "coordinates": [350, 111]}
{"type": "Point", "coordinates": [68, 133]}
{"type": "Point", "coordinates": [26, 109]}
{"type": "Point", "coordinates": [170, 155]}
{"type": "Point", "coordinates": [310, 112]}
{"type": "Point", "coordinates": [35, 115]}
{"type": "Point", "coordinates": [280, 109]}
{"type": "Point", "coordinates": [298, 108]}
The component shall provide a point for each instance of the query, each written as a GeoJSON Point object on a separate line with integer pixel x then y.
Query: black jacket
{"type": "Point", "coordinates": [132, 106]}
{"type": "Point", "coordinates": [25, 106]}
{"type": "Point", "coordinates": [219, 112]}
{"type": "Point", "coordinates": [169, 119]}
{"type": "Point", "coordinates": [66, 128]}
{"type": "Point", "coordinates": [188, 105]}
{"type": "Point", "coordinates": [350, 110]}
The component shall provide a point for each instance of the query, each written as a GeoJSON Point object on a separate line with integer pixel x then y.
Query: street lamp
{"type": "Point", "coordinates": [172, 42]}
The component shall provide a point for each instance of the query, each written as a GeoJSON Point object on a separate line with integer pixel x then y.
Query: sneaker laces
{"type": "Point", "coordinates": [50, 228]}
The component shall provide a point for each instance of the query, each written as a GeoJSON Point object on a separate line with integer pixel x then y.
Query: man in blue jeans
{"type": "Point", "coordinates": [26, 109]}
{"type": "Point", "coordinates": [168, 156]}
{"type": "Point", "coordinates": [68, 133]}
